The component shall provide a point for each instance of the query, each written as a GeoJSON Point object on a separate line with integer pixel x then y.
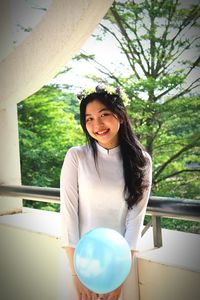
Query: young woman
{"type": "Point", "coordinates": [105, 183]}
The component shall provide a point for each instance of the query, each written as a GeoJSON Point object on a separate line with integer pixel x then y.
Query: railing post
{"type": "Point", "coordinates": [9, 157]}
{"type": "Point", "coordinates": [157, 231]}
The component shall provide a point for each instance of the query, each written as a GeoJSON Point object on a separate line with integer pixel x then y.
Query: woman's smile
{"type": "Point", "coordinates": [102, 132]}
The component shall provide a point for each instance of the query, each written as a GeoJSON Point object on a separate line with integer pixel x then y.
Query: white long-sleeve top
{"type": "Point", "coordinates": [93, 196]}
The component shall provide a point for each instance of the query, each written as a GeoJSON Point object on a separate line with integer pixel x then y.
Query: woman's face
{"type": "Point", "coordinates": [102, 124]}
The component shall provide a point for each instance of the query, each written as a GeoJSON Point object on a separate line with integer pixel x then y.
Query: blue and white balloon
{"type": "Point", "coordinates": [102, 260]}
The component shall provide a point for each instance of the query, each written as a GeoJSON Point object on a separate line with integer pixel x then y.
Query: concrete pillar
{"type": "Point", "coordinates": [5, 30]}
{"type": "Point", "coordinates": [9, 157]}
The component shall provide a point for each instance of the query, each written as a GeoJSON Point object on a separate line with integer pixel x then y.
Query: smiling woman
{"type": "Point", "coordinates": [105, 183]}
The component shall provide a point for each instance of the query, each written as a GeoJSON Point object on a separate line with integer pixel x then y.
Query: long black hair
{"type": "Point", "coordinates": [132, 152]}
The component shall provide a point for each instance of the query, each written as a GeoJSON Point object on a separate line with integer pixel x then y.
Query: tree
{"type": "Point", "coordinates": [47, 128]}
{"type": "Point", "coordinates": [160, 40]}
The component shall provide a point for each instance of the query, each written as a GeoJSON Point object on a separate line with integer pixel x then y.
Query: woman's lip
{"type": "Point", "coordinates": [102, 132]}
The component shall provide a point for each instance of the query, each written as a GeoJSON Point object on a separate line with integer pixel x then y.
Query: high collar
{"type": "Point", "coordinates": [108, 151]}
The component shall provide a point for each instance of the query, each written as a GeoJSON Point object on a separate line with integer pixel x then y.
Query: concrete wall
{"type": "Point", "coordinates": [164, 282]}
{"type": "Point", "coordinates": [31, 258]}
{"type": "Point", "coordinates": [29, 265]}
{"type": "Point", "coordinates": [172, 271]}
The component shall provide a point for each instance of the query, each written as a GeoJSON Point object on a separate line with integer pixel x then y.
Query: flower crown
{"type": "Point", "coordinates": [108, 89]}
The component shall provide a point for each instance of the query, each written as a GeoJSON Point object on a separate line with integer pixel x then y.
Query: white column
{"type": "Point", "coordinates": [9, 157]}
{"type": "Point", "coordinates": [6, 41]}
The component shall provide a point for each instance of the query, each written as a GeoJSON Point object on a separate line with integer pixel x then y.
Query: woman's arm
{"type": "Point", "coordinates": [82, 291]}
{"type": "Point", "coordinates": [69, 200]}
{"type": "Point", "coordinates": [135, 216]}
{"type": "Point", "coordinates": [70, 254]}
{"type": "Point", "coordinates": [70, 218]}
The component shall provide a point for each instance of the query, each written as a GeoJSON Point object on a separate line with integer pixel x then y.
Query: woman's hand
{"type": "Point", "coordinates": [82, 292]}
{"type": "Point", "coordinates": [114, 295]}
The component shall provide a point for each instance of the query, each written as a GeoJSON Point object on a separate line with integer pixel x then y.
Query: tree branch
{"type": "Point", "coordinates": [176, 173]}
{"type": "Point", "coordinates": [151, 140]}
{"type": "Point", "coordinates": [176, 155]}
{"type": "Point", "coordinates": [164, 36]}
{"type": "Point", "coordinates": [166, 63]}
{"type": "Point", "coordinates": [129, 42]}
{"type": "Point", "coordinates": [123, 48]}
{"type": "Point", "coordinates": [110, 75]}
{"type": "Point", "coordinates": [193, 16]}
{"type": "Point", "coordinates": [105, 70]}
{"type": "Point", "coordinates": [134, 30]}
{"type": "Point", "coordinates": [187, 90]}
{"type": "Point", "coordinates": [197, 61]}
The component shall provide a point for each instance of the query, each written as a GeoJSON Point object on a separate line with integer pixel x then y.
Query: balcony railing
{"type": "Point", "coordinates": [158, 207]}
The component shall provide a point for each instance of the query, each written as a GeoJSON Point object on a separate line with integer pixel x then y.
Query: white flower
{"type": "Point", "coordinates": [109, 89]}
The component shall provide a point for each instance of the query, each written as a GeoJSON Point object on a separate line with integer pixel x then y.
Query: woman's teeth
{"type": "Point", "coordinates": [102, 132]}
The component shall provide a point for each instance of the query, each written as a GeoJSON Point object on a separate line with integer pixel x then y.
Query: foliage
{"type": "Point", "coordinates": [176, 149]}
{"type": "Point", "coordinates": [47, 128]}
{"type": "Point", "coordinates": [175, 145]}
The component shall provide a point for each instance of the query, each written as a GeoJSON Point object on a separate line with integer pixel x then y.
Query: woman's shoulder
{"type": "Point", "coordinates": [147, 155]}
{"type": "Point", "coordinates": [147, 158]}
{"type": "Point", "coordinates": [78, 151]}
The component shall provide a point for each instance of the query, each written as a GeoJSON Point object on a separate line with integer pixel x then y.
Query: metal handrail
{"type": "Point", "coordinates": [157, 206]}
{"type": "Point", "coordinates": [171, 207]}
{"type": "Point", "coordinates": [35, 193]}
{"type": "Point", "coordinates": [174, 207]}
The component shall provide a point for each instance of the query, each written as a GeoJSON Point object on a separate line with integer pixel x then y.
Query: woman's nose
{"type": "Point", "coordinates": [98, 121]}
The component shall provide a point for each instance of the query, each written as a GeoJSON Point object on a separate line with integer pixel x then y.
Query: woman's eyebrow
{"type": "Point", "coordinates": [103, 109]}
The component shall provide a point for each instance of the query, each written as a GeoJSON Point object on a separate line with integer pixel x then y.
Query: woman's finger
{"type": "Point", "coordinates": [84, 296]}
{"type": "Point", "coordinates": [95, 296]}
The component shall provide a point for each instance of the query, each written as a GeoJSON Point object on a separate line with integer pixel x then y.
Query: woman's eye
{"type": "Point", "coordinates": [88, 119]}
{"type": "Point", "coordinates": [104, 115]}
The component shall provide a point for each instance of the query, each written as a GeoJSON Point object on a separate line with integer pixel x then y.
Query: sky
{"type": "Point", "coordinates": [106, 52]}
